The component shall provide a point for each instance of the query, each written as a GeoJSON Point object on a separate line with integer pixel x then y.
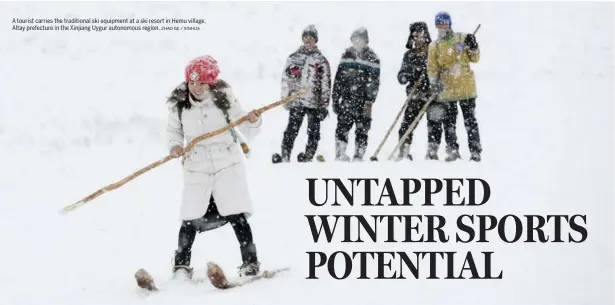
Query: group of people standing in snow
{"type": "Point", "coordinates": [215, 189]}
{"type": "Point", "coordinates": [438, 70]}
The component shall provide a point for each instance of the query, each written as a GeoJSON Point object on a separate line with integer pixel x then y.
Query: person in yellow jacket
{"type": "Point", "coordinates": [452, 79]}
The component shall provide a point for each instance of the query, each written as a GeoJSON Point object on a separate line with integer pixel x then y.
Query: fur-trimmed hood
{"type": "Point", "coordinates": [180, 96]}
{"type": "Point", "coordinates": [416, 26]}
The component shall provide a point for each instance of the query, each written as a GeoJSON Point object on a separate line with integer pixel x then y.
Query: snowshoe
{"type": "Point", "coordinates": [145, 280]}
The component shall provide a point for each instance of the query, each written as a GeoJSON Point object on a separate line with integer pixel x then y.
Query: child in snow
{"type": "Point", "coordinates": [355, 89]}
{"type": "Point", "coordinates": [214, 168]}
{"type": "Point", "coordinates": [306, 68]}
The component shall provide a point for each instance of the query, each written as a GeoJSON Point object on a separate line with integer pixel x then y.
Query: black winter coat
{"type": "Point", "coordinates": [357, 80]}
{"type": "Point", "coordinates": [413, 72]}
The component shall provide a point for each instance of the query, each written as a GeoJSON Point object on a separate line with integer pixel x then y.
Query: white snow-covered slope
{"type": "Point", "coordinates": [80, 110]}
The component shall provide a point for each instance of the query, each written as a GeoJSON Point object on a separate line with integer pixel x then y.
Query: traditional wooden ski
{"type": "Point", "coordinates": [216, 277]}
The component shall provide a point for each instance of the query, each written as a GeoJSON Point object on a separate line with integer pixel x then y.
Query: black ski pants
{"type": "Point", "coordinates": [444, 115]}
{"type": "Point", "coordinates": [410, 114]}
{"type": "Point", "coordinates": [189, 229]}
{"type": "Point", "coordinates": [345, 121]}
{"type": "Point", "coordinates": [295, 120]}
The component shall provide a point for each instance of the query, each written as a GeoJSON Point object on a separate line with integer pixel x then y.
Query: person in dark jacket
{"type": "Point", "coordinates": [306, 68]}
{"type": "Point", "coordinates": [355, 89]}
{"type": "Point", "coordinates": [413, 73]}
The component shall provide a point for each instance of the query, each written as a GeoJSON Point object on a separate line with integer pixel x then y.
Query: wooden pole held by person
{"type": "Point", "coordinates": [191, 145]}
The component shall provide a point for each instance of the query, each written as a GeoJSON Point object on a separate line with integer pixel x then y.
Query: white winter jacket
{"type": "Point", "coordinates": [215, 165]}
{"type": "Point", "coordinates": [204, 117]}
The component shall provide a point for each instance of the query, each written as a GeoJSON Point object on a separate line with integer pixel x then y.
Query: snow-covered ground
{"type": "Point", "coordinates": [81, 110]}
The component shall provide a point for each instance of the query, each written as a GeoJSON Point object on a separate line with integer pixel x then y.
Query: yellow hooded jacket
{"type": "Point", "coordinates": [451, 58]}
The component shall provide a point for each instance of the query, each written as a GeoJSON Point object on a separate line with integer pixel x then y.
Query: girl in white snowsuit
{"type": "Point", "coordinates": [215, 184]}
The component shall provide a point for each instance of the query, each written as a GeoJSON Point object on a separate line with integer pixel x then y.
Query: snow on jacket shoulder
{"type": "Point", "coordinates": [357, 76]}
{"type": "Point", "coordinates": [307, 69]}
{"type": "Point", "coordinates": [201, 117]}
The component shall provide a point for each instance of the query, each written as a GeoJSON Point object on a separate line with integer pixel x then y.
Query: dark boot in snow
{"type": "Point", "coordinates": [250, 265]}
{"type": "Point", "coordinates": [475, 157]}
{"type": "Point", "coordinates": [304, 157]}
{"type": "Point", "coordinates": [308, 155]}
{"type": "Point", "coordinates": [284, 157]}
{"type": "Point", "coordinates": [181, 267]}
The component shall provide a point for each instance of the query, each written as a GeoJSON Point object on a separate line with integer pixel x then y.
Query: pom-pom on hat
{"type": "Point", "coordinates": [203, 69]}
{"type": "Point", "coordinates": [310, 30]}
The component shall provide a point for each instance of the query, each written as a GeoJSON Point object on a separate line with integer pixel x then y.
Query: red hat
{"type": "Point", "coordinates": [204, 69]}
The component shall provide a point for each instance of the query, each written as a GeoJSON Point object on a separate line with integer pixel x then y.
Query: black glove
{"type": "Point", "coordinates": [470, 41]}
{"type": "Point", "coordinates": [322, 113]}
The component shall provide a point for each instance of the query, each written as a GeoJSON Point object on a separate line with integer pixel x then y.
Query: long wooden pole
{"type": "Point", "coordinates": [191, 145]}
{"type": "Point", "coordinates": [417, 119]}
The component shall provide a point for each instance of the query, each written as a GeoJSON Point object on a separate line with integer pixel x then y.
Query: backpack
{"type": "Point", "coordinates": [219, 84]}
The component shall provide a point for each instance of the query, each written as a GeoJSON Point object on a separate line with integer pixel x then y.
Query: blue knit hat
{"type": "Point", "coordinates": [444, 17]}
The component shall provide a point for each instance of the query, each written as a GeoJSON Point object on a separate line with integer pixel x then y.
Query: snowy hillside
{"type": "Point", "coordinates": [80, 110]}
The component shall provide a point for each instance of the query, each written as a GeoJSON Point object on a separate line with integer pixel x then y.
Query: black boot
{"type": "Point", "coordinates": [181, 266]}
{"type": "Point", "coordinates": [279, 158]}
{"type": "Point", "coordinates": [250, 265]}
{"type": "Point", "coordinates": [475, 157]}
{"type": "Point", "coordinates": [183, 254]}
{"type": "Point", "coordinates": [304, 157]}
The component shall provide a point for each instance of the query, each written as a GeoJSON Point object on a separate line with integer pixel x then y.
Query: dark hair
{"type": "Point", "coordinates": [418, 26]}
{"type": "Point", "coordinates": [180, 95]}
